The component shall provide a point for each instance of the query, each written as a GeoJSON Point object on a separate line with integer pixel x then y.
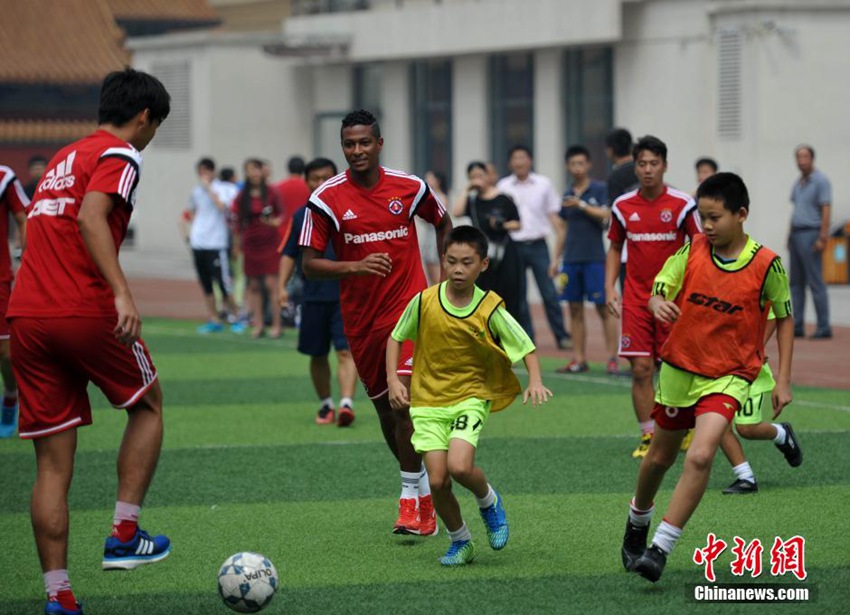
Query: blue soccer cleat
{"type": "Point", "coordinates": [143, 549]}
{"type": "Point", "coordinates": [460, 553]}
{"type": "Point", "coordinates": [210, 327]}
{"type": "Point", "coordinates": [496, 523]}
{"type": "Point", "coordinates": [8, 420]}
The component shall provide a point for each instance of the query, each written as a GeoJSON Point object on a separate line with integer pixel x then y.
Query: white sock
{"type": "Point", "coordinates": [424, 483]}
{"type": "Point", "coordinates": [666, 536]}
{"type": "Point", "coordinates": [488, 500]}
{"type": "Point", "coordinates": [779, 438]}
{"type": "Point", "coordinates": [409, 485]}
{"type": "Point", "coordinates": [56, 581]}
{"type": "Point", "coordinates": [328, 402]}
{"type": "Point", "coordinates": [346, 401]}
{"type": "Point", "coordinates": [647, 427]}
{"type": "Point", "coordinates": [462, 533]}
{"type": "Point", "coordinates": [744, 472]}
{"type": "Point", "coordinates": [640, 518]}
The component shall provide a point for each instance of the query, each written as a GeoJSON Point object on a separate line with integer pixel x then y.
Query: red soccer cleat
{"type": "Point", "coordinates": [427, 517]}
{"type": "Point", "coordinates": [408, 519]}
{"type": "Point", "coordinates": [346, 416]}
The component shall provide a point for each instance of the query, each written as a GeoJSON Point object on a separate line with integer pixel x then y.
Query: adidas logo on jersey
{"type": "Point", "coordinates": [61, 177]}
{"type": "Point", "coordinates": [349, 215]}
{"type": "Point", "coordinates": [634, 217]}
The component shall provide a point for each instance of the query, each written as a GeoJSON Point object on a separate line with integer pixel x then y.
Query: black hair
{"type": "Point", "coordinates": [295, 166]}
{"type": "Point", "coordinates": [650, 144]}
{"type": "Point", "coordinates": [470, 236]}
{"type": "Point", "coordinates": [206, 163]}
{"type": "Point", "coordinates": [707, 161]}
{"type": "Point", "coordinates": [726, 187]}
{"type": "Point", "coordinates": [808, 148]}
{"type": "Point", "coordinates": [361, 117]}
{"type": "Point", "coordinates": [519, 148]}
{"type": "Point", "coordinates": [442, 183]}
{"type": "Point", "coordinates": [127, 93]}
{"type": "Point", "coordinates": [245, 215]}
{"type": "Point", "coordinates": [37, 159]}
{"type": "Point", "coordinates": [476, 164]}
{"type": "Point", "coordinates": [620, 142]}
{"type": "Point", "coordinates": [577, 150]}
{"type": "Point", "coordinates": [227, 174]}
{"type": "Point", "coordinates": [319, 163]}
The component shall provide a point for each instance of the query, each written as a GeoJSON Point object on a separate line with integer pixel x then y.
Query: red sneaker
{"type": "Point", "coordinates": [408, 520]}
{"type": "Point", "coordinates": [427, 517]}
{"type": "Point", "coordinates": [573, 367]}
{"type": "Point", "coordinates": [613, 368]}
{"type": "Point", "coordinates": [346, 416]}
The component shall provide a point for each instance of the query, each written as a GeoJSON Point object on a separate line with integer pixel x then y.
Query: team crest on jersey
{"type": "Point", "coordinates": [626, 342]}
{"type": "Point", "coordinates": [396, 206]}
{"type": "Point", "coordinates": [666, 215]}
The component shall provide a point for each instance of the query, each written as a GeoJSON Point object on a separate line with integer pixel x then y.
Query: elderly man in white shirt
{"type": "Point", "coordinates": [538, 206]}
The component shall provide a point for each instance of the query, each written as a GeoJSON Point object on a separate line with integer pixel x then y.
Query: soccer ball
{"type": "Point", "coordinates": [247, 582]}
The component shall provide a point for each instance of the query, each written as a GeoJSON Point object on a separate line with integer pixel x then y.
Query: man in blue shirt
{"type": "Point", "coordinates": [812, 199]}
{"type": "Point", "coordinates": [585, 211]}
{"type": "Point", "coordinates": [321, 320]}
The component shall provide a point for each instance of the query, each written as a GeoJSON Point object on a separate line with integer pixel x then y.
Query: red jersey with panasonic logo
{"type": "Point", "coordinates": [360, 222]}
{"type": "Point", "coordinates": [58, 277]}
{"type": "Point", "coordinates": [652, 232]}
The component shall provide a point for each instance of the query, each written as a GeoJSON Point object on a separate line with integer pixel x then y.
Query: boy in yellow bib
{"type": "Point", "coordinates": [466, 343]}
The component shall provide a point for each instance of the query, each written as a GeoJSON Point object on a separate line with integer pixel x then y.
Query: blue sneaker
{"type": "Point", "coordinates": [54, 607]}
{"type": "Point", "coordinates": [460, 552]}
{"type": "Point", "coordinates": [238, 327]}
{"type": "Point", "coordinates": [496, 524]}
{"type": "Point", "coordinates": [210, 327]}
{"type": "Point", "coordinates": [141, 550]}
{"type": "Point", "coordinates": [8, 420]}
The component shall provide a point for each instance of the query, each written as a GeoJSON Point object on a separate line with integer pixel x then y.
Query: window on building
{"type": "Point", "coordinates": [589, 101]}
{"type": "Point", "coordinates": [176, 133]}
{"type": "Point", "coordinates": [367, 88]}
{"type": "Point", "coordinates": [431, 83]}
{"type": "Point", "coordinates": [511, 105]}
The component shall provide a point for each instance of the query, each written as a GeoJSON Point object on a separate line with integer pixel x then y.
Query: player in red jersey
{"type": "Point", "coordinates": [13, 200]}
{"type": "Point", "coordinates": [73, 321]}
{"type": "Point", "coordinates": [368, 213]}
{"type": "Point", "coordinates": [655, 219]}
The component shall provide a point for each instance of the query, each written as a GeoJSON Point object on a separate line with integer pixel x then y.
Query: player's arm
{"type": "Point", "coordinates": [443, 229]}
{"type": "Point", "coordinates": [287, 267]}
{"type": "Point", "coordinates": [94, 228]}
{"type": "Point", "coordinates": [317, 267]}
{"type": "Point", "coordinates": [405, 329]}
{"type": "Point", "coordinates": [517, 345]}
{"type": "Point", "coordinates": [560, 227]}
{"type": "Point", "coordinates": [612, 274]}
{"type": "Point", "coordinates": [667, 285]}
{"type": "Point", "coordinates": [21, 221]}
{"type": "Point", "coordinates": [535, 391]}
{"type": "Point", "coordinates": [777, 292]}
{"type": "Point", "coordinates": [691, 223]}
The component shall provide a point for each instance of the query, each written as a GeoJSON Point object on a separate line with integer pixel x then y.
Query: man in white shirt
{"type": "Point", "coordinates": [538, 206]}
{"type": "Point", "coordinates": [208, 238]}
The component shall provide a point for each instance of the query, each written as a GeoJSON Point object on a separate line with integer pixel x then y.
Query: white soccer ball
{"type": "Point", "coordinates": [247, 582]}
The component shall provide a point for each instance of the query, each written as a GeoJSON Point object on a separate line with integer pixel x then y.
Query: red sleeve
{"type": "Point", "coordinates": [692, 224]}
{"type": "Point", "coordinates": [15, 197]}
{"type": "Point", "coordinates": [316, 229]}
{"type": "Point", "coordinates": [616, 231]}
{"type": "Point", "coordinates": [430, 208]}
{"type": "Point", "coordinates": [116, 176]}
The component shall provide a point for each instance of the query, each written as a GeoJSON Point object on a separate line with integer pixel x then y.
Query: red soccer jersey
{"type": "Point", "coordinates": [13, 200]}
{"type": "Point", "coordinates": [360, 222]}
{"type": "Point", "coordinates": [58, 277]}
{"type": "Point", "coordinates": [654, 231]}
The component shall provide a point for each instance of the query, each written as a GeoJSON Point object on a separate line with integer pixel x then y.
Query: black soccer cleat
{"type": "Point", "coordinates": [634, 544]}
{"type": "Point", "coordinates": [791, 447]}
{"type": "Point", "coordinates": [741, 486]}
{"type": "Point", "coordinates": [651, 564]}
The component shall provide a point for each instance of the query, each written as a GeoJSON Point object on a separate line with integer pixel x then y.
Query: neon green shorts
{"type": "Point", "coordinates": [750, 412]}
{"type": "Point", "coordinates": [434, 427]}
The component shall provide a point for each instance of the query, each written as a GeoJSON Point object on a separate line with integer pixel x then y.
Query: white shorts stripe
{"type": "Point", "coordinates": [50, 430]}
{"type": "Point", "coordinates": [143, 363]}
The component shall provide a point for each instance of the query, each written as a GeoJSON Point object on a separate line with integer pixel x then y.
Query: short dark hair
{"type": "Point", "coordinates": [206, 163]}
{"type": "Point", "coordinates": [37, 159]}
{"type": "Point", "coordinates": [227, 174]}
{"type": "Point", "coordinates": [361, 117]}
{"type": "Point", "coordinates": [127, 93]}
{"type": "Point", "coordinates": [295, 166]}
{"type": "Point", "coordinates": [620, 142]}
{"type": "Point", "coordinates": [650, 144]}
{"type": "Point", "coordinates": [706, 161]}
{"type": "Point", "coordinates": [576, 150]}
{"type": "Point", "coordinates": [319, 163]}
{"type": "Point", "coordinates": [810, 149]}
{"type": "Point", "coordinates": [476, 164]}
{"type": "Point", "coordinates": [470, 236]}
{"type": "Point", "coordinates": [726, 187]}
{"type": "Point", "coordinates": [520, 148]}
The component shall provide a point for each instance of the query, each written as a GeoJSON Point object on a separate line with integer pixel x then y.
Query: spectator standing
{"type": "Point", "coordinates": [538, 206]}
{"type": "Point", "coordinates": [427, 234]}
{"type": "Point", "coordinates": [292, 191]}
{"type": "Point", "coordinates": [36, 166]}
{"type": "Point", "coordinates": [811, 195]}
{"type": "Point", "coordinates": [705, 168]}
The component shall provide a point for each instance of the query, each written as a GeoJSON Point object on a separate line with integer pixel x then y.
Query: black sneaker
{"type": "Point", "coordinates": [791, 447]}
{"type": "Point", "coordinates": [325, 416]}
{"type": "Point", "coordinates": [741, 486]}
{"type": "Point", "coordinates": [821, 334]}
{"type": "Point", "coordinates": [634, 544]}
{"type": "Point", "coordinates": [651, 564]}
{"type": "Point", "coordinates": [799, 332]}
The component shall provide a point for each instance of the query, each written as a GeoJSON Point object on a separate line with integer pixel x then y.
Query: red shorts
{"type": "Point", "coordinates": [370, 358]}
{"type": "Point", "coordinates": [641, 335]}
{"type": "Point", "coordinates": [5, 292]}
{"type": "Point", "coordinates": [56, 358]}
{"type": "Point", "coordinates": [675, 419]}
